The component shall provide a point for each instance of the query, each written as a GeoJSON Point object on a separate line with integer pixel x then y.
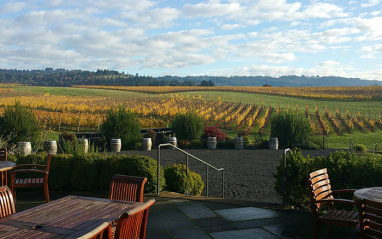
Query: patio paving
{"type": "Point", "coordinates": [178, 216]}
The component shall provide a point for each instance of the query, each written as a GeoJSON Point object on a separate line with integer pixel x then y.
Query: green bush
{"type": "Point", "coordinates": [93, 171]}
{"type": "Point", "coordinates": [197, 144]}
{"type": "Point", "coordinates": [360, 148]}
{"type": "Point", "coordinates": [19, 124]}
{"type": "Point", "coordinates": [178, 181]}
{"type": "Point", "coordinates": [345, 171]}
{"type": "Point", "coordinates": [189, 126]}
{"type": "Point", "coordinates": [291, 129]}
{"type": "Point", "coordinates": [123, 124]}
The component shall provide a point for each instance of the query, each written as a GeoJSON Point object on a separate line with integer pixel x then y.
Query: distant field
{"type": "Point", "coordinates": [232, 111]}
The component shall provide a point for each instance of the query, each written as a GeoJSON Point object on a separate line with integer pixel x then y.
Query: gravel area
{"type": "Point", "coordinates": [248, 173]}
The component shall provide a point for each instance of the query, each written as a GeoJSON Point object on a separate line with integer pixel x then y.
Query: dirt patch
{"type": "Point", "coordinates": [248, 174]}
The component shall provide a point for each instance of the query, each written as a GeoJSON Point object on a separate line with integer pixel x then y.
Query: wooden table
{"type": "Point", "coordinates": [372, 194]}
{"type": "Point", "coordinates": [68, 217]}
{"type": "Point", "coordinates": [5, 166]}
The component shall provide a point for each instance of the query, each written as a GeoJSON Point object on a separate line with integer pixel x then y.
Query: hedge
{"type": "Point", "coordinates": [89, 172]}
{"type": "Point", "coordinates": [346, 171]}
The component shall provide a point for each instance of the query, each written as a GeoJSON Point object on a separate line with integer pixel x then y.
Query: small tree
{"type": "Point", "coordinates": [189, 126]}
{"type": "Point", "coordinates": [19, 124]}
{"type": "Point", "coordinates": [291, 129]}
{"type": "Point", "coordinates": [123, 124]}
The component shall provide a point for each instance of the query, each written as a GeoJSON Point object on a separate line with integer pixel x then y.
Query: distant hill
{"type": "Point", "coordinates": [291, 80]}
{"type": "Point", "coordinates": [62, 77]}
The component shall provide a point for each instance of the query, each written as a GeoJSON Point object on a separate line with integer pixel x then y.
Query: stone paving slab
{"type": "Point", "coordinates": [214, 224]}
{"type": "Point", "coordinates": [190, 233]}
{"type": "Point", "coordinates": [196, 211]}
{"type": "Point", "coordinates": [252, 233]}
{"type": "Point", "coordinates": [167, 220]}
{"type": "Point", "coordinates": [246, 213]}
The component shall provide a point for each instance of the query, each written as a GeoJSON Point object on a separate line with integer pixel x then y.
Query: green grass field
{"type": "Point", "coordinates": [366, 108]}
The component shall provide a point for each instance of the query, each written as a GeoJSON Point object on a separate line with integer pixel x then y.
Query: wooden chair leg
{"type": "Point", "coordinates": [46, 192]}
{"type": "Point", "coordinates": [330, 230]}
{"type": "Point", "coordinates": [316, 230]}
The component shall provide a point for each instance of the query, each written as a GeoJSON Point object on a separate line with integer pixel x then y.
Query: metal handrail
{"type": "Point", "coordinates": [198, 159]}
{"type": "Point", "coordinates": [284, 176]}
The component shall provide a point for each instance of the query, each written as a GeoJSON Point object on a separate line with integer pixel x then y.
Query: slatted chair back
{"type": "Point", "coordinates": [18, 182]}
{"type": "Point", "coordinates": [132, 224]}
{"type": "Point", "coordinates": [319, 188]}
{"type": "Point", "coordinates": [370, 217]}
{"type": "Point", "coordinates": [101, 232]}
{"type": "Point", "coordinates": [4, 157]}
{"type": "Point", "coordinates": [127, 188]}
{"type": "Point", "coordinates": [7, 204]}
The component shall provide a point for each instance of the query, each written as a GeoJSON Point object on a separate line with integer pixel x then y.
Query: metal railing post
{"type": "Point", "coordinates": [206, 180]}
{"type": "Point", "coordinates": [223, 183]}
{"type": "Point", "coordinates": [187, 165]}
{"type": "Point", "coordinates": [284, 175]}
{"type": "Point", "coordinates": [187, 172]}
{"type": "Point", "coordinates": [158, 166]}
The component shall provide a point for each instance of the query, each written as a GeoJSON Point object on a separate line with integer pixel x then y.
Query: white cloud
{"type": "Point", "coordinates": [370, 3]}
{"type": "Point", "coordinates": [231, 26]}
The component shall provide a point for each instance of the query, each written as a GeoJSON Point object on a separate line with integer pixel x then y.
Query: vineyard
{"type": "Point", "coordinates": [60, 112]}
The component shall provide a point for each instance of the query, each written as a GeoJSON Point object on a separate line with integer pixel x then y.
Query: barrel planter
{"type": "Point", "coordinates": [50, 146]}
{"type": "Point", "coordinates": [115, 145]}
{"type": "Point", "coordinates": [239, 143]}
{"type": "Point", "coordinates": [146, 144]}
{"type": "Point", "coordinates": [85, 144]}
{"type": "Point", "coordinates": [172, 140]}
{"type": "Point", "coordinates": [211, 142]}
{"type": "Point", "coordinates": [273, 143]}
{"type": "Point", "coordinates": [24, 148]}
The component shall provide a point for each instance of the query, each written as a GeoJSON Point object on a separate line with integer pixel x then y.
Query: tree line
{"type": "Point", "coordinates": [62, 77]}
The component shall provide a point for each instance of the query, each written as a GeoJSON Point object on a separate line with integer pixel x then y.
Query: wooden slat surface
{"type": "Point", "coordinates": [68, 217]}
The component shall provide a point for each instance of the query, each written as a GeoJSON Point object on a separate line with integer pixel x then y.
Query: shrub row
{"type": "Point", "coordinates": [346, 171]}
{"type": "Point", "coordinates": [90, 172]}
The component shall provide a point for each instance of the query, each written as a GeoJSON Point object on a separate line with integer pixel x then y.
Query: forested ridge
{"type": "Point", "coordinates": [62, 77]}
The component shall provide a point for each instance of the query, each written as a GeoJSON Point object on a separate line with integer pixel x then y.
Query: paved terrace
{"type": "Point", "coordinates": [179, 216]}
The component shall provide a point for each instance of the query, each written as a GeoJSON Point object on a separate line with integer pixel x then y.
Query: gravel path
{"type": "Point", "coordinates": [248, 173]}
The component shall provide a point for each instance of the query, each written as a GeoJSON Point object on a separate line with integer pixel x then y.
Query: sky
{"type": "Point", "coordinates": [182, 38]}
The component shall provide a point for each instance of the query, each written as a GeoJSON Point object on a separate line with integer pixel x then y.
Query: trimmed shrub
{"type": "Point", "coordinates": [90, 172]}
{"type": "Point", "coordinates": [178, 181]}
{"type": "Point", "coordinates": [19, 124]}
{"type": "Point", "coordinates": [345, 170]}
{"type": "Point", "coordinates": [360, 148]}
{"type": "Point", "coordinates": [188, 126]}
{"type": "Point", "coordinates": [123, 124]}
{"type": "Point", "coordinates": [291, 129]}
{"type": "Point", "coordinates": [197, 144]}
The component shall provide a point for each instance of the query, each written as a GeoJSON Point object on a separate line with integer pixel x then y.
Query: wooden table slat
{"type": "Point", "coordinates": [68, 217]}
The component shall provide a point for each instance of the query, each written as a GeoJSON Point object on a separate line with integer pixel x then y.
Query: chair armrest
{"type": "Point", "coordinates": [28, 171]}
{"type": "Point", "coordinates": [344, 191]}
{"type": "Point", "coordinates": [336, 200]}
{"type": "Point", "coordinates": [30, 165]}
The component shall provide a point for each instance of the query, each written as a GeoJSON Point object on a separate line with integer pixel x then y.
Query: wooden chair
{"type": "Point", "coordinates": [31, 182]}
{"type": "Point", "coordinates": [127, 188]}
{"type": "Point", "coordinates": [132, 224]}
{"type": "Point", "coordinates": [101, 232]}
{"type": "Point", "coordinates": [4, 157]}
{"type": "Point", "coordinates": [7, 204]}
{"type": "Point", "coordinates": [370, 219]}
{"type": "Point", "coordinates": [320, 193]}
